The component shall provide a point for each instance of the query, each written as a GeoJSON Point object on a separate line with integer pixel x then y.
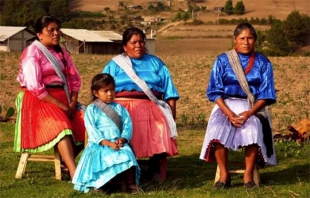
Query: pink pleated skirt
{"type": "Point", "coordinates": [42, 122]}
{"type": "Point", "coordinates": [151, 133]}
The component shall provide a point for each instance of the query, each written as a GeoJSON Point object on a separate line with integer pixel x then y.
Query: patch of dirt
{"type": "Point", "coordinates": [186, 47]}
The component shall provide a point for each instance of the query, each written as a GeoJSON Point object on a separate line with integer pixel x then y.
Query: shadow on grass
{"type": "Point", "coordinates": [189, 172]}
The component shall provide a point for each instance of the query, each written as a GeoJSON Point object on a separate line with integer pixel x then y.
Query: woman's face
{"type": "Point", "coordinates": [50, 35]}
{"type": "Point", "coordinates": [135, 46]}
{"type": "Point", "coordinates": [245, 42]}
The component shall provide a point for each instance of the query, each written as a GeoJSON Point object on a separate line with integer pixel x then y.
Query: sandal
{"type": "Point", "coordinates": [249, 185]}
{"type": "Point", "coordinates": [64, 168]}
{"type": "Point", "coordinates": [222, 184]}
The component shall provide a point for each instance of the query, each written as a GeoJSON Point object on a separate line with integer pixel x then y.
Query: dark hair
{"type": "Point", "coordinates": [128, 34]}
{"type": "Point", "coordinates": [44, 21]}
{"type": "Point", "coordinates": [41, 23]}
{"type": "Point", "coordinates": [100, 81]}
{"type": "Point", "coordinates": [243, 26]}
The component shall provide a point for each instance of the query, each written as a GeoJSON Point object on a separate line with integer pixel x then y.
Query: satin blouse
{"type": "Point", "coordinates": [149, 68]}
{"type": "Point", "coordinates": [224, 83]}
{"type": "Point", "coordinates": [35, 71]}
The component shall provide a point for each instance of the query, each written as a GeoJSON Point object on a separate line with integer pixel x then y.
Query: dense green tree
{"type": "Point", "coordinates": [25, 12]}
{"type": "Point", "coordinates": [59, 9]}
{"type": "Point", "coordinates": [229, 7]}
{"type": "Point", "coordinates": [297, 28]}
{"type": "Point", "coordinates": [261, 37]}
{"type": "Point", "coordinates": [239, 9]}
{"type": "Point", "coordinates": [271, 19]}
{"type": "Point", "coordinates": [278, 44]}
{"type": "Point", "coordinates": [20, 12]}
{"type": "Point", "coordinates": [158, 8]}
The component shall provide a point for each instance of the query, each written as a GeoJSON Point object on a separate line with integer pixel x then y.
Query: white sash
{"type": "Point", "coordinates": [55, 63]}
{"type": "Point", "coordinates": [125, 63]}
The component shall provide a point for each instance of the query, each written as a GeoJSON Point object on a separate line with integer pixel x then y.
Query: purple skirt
{"type": "Point", "coordinates": [221, 130]}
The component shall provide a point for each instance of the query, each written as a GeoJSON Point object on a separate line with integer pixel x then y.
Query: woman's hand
{"type": "Point", "coordinates": [72, 110]}
{"type": "Point", "coordinates": [235, 120]}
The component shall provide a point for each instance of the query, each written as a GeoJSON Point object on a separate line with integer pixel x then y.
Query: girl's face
{"type": "Point", "coordinates": [105, 94]}
{"type": "Point", "coordinates": [135, 47]}
{"type": "Point", "coordinates": [245, 42]}
{"type": "Point", "coordinates": [50, 35]}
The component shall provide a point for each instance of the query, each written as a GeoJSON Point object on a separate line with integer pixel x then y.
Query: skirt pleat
{"type": "Point", "coordinates": [151, 133]}
{"type": "Point", "coordinates": [221, 130]}
{"type": "Point", "coordinates": [40, 123]}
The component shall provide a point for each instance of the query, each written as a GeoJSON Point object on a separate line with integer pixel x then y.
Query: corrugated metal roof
{"type": "Point", "coordinates": [109, 35]}
{"type": "Point", "coordinates": [84, 35]}
{"type": "Point", "coordinates": [8, 31]}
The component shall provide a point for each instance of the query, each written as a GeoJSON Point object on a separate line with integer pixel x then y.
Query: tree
{"type": "Point", "coordinates": [229, 7]}
{"type": "Point", "coordinates": [59, 9]}
{"type": "Point", "coordinates": [121, 5]}
{"type": "Point", "coordinates": [277, 41]}
{"type": "Point", "coordinates": [239, 9]}
{"type": "Point", "coordinates": [107, 9]}
{"type": "Point", "coordinates": [297, 27]}
{"type": "Point", "coordinates": [20, 13]}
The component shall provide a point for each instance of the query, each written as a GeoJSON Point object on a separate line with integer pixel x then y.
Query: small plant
{"type": "Point", "coordinates": [184, 118]}
{"type": "Point", "coordinates": [201, 119]}
{"type": "Point", "coordinates": [9, 113]}
{"type": "Point", "coordinates": [288, 147]}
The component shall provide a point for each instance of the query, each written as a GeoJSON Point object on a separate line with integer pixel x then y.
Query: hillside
{"type": "Point", "coordinates": [262, 8]}
{"type": "Point", "coordinates": [204, 38]}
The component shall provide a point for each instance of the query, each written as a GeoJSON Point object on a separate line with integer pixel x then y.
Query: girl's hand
{"type": "Point", "coordinates": [120, 142]}
{"type": "Point", "coordinates": [114, 146]}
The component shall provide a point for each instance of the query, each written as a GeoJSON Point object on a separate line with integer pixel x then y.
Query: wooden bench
{"type": "Point", "coordinates": [25, 157]}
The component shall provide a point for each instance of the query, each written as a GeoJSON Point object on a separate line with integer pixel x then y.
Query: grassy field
{"type": "Point", "coordinates": [187, 175]}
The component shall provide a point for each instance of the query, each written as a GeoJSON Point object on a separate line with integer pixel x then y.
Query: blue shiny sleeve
{"type": "Point", "coordinates": [168, 86]}
{"type": "Point", "coordinates": [267, 90]}
{"type": "Point", "coordinates": [215, 88]}
{"type": "Point", "coordinates": [94, 133]}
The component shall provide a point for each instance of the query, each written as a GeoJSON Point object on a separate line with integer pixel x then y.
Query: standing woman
{"type": "Point", "coordinates": [233, 123]}
{"type": "Point", "coordinates": [47, 114]}
{"type": "Point", "coordinates": [145, 88]}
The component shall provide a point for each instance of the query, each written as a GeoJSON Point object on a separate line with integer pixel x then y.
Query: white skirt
{"type": "Point", "coordinates": [220, 129]}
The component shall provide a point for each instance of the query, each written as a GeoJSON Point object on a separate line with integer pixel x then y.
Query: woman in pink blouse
{"type": "Point", "coordinates": [47, 113]}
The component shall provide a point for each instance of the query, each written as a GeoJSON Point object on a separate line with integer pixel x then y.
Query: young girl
{"type": "Point", "coordinates": [107, 153]}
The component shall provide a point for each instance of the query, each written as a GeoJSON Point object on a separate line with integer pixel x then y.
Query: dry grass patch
{"type": "Point", "coordinates": [191, 75]}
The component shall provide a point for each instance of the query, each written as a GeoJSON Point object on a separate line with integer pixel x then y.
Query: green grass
{"type": "Point", "coordinates": [187, 175]}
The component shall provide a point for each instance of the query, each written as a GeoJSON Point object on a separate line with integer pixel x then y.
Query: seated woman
{"type": "Point", "coordinates": [233, 122]}
{"type": "Point", "coordinates": [47, 113]}
{"type": "Point", "coordinates": [144, 86]}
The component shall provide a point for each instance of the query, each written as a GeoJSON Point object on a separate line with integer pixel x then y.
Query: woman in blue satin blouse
{"type": "Point", "coordinates": [232, 123]}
